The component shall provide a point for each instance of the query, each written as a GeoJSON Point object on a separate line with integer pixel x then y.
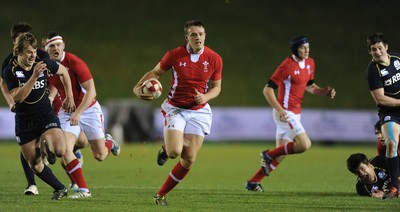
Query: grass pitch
{"type": "Point", "coordinates": [314, 181]}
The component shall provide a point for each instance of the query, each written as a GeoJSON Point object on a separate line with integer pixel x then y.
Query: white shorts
{"type": "Point", "coordinates": [288, 131]}
{"type": "Point", "coordinates": [197, 122]}
{"type": "Point", "coordinates": [91, 122]}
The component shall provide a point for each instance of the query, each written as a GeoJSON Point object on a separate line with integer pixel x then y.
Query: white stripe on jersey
{"type": "Point", "coordinates": [286, 94]}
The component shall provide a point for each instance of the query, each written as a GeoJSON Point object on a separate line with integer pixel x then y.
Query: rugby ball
{"type": "Point", "coordinates": [152, 86]}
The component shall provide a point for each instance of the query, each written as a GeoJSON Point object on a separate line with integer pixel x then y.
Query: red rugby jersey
{"type": "Point", "coordinates": [79, 73]}
{"type": "Point", "coordinates": [292, 81]}
{"type": "Point", "coordinates": [189, 75]}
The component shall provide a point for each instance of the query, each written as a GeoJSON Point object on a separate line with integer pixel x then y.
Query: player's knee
{"type": "Point", "coordinates": [99, 157]}
{"type": "Point", "coordinates": [59, 152]}
{"type": "Point", "coordinates": [173, 153]}
{"type": "Point", "coordinates": [302, 147]}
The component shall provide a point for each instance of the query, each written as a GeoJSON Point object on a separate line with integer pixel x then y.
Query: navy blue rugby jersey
{"type": "Point", "coordinates": [386, 77]}
{"type": "Point", "coordinates": [382, 181]}
{"type": "Point", "coordinates": [37, 103]}
{"type": "Point", "coordinates": [8, 60]}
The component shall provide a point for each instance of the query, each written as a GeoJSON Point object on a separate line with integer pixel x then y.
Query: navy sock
{"type": "Point", "coordinates": [29, 174]}
{"type": "Point", "coordinates": [48, 177]}
{"type": "Point", "coordinates": [394, 170]}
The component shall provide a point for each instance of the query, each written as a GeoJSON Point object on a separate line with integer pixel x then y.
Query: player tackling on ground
{"type": "Point", "coordinates": [196, 79]}
{"type": "Point", "coordinates": [293, 77]}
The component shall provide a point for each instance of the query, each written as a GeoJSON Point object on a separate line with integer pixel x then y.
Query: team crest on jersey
{"type": "Point", "coordinates": [382, 175]}
{"type": "Point", "coordinates": [384, 72]}
{"type": "Point", "coordinates": [387, 118]}
{"type": "Point", "coordinates": [20, 74]}
{"type": "Point", "coordinates": [205, 63]}
{"type": "Point", "coordinates": [396, 64]}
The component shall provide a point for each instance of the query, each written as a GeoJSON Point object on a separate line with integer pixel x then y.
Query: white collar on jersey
{"type": "Point", "coordinates": [302, 63]}
{"type": "Point", "coordinates": [63, 57]}
{"type": "Point", "coordinates": [194, 57]}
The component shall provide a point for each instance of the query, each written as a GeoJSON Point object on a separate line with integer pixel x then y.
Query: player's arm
{"type": "Point", "coordinates": [90, 94]}
{"type": "Point", "coordinates": [52, 93]}
{"type": "Point", "coordinates": [381, 99]}
{"type": "Point", "coordinates": [156, 72]}
{"type": "Point", "coordinates": [270, 96]}
{"type": "Point", "coordinates": [316, 90]}
{"type": "Point", "coordinates": [68, 104]}
{"type": "Point", "coordinates": [19, 94]}
{"type": "Point", "coordinates": [7, 95]}
{"type": "Point", "coordinates": [213, 92]}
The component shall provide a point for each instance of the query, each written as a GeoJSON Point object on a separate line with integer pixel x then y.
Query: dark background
{"type": "Point", "coordinates": [121, 40]}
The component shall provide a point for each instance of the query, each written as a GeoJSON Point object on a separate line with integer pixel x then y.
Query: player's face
{"type": "Point", "coordinates": [379, 136]}
{"type": "Point", "coordinates": [303, 51]}
{"type": "Point", "coordinates": [56, 51]}
{"type": "Point", "coordinates": [196, 37]}
{"type": "Point", "coordinates": [366, 173]}
{"type": "Point", "coordinates": [378, 51]}
{"type": "Point", "coordinates": [27, 57]}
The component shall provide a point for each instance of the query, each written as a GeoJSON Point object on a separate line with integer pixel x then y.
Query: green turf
{"type": "Point", "coordinates": [314, 181]}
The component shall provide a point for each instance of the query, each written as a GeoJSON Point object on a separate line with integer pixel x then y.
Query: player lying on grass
{"type": "Point", "coordinates": [372, 175]}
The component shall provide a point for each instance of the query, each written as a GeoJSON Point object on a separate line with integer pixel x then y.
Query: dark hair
{"type": "Point", "coordinates": [52, 34]}
{"type": "Point", "coordinates": [378, 126]}
{"type": "Point", "coordinates": [375, 38]}
{"type": "Point", "coordinates": [23, 41]}
{"type": "Point", "coordinates": [19, 28]}
{"type": "Point", "coordinates": [296, 42]}
{"type": "Point", "coordinates": [354, 161]}
{"type": "Point", "coordinates": [190, 23]}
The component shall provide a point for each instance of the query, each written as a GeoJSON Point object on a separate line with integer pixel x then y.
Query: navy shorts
{"type": "Point", "coordinates": [28, 130]}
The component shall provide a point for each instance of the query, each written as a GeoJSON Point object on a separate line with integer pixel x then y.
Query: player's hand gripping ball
{"type": "Point", "coordinates": [152, 86]}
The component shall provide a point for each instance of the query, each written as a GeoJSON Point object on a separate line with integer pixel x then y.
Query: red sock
{"type": "Point", "coordinates": [260, 175]}
{"type": "Point", "coordinates": [109, 145]}
{"type": "Point", "coordinates": [175, 176]}
{"type": "Point", "coordinates": [285, 149]}
{"type": "Point", "coordinates": [75, 171]}
{"type": "Point", "coordinates": [65, 168]}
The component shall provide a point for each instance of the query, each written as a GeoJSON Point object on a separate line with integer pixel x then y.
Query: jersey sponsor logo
{"type": "Point", "coordinates": [392, 80]}
{"type": "Point", "coordinates": [51, 125]}
{"type": "Point", "coordinates": [396, 64]}
{"type": "Point", "coordinates": [296, 72]}
{"type": "Point", "coordinates": [38, 84]}
{"type": "Point", "coordinates": [20, 74]}
{"type": "Point", "coordinates": [384, 72]}
{"type": "Point", "coordinates": [205, 63]}
{"type": "Point", "coordinates": [182, 64]}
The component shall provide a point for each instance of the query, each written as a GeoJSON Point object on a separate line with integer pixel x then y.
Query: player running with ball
{"type": "Point", "coordinates": [196, 79]}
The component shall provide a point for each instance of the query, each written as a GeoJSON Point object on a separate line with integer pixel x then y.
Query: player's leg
{"type": "Point", "coordinates": [80, 143]}
{"type": "Point", "coordinates": [254, 183]}
{"type": "Point", "coordinates": [31, 189]}
{"type": "Point", "coordinates": [391, 131]}
{"type": "Point", "coordinates": [72, 165]}
{"type": "Point", "coordinates": [33, 157]}
{"type": "Point", "coordinates": [101, 144]}
{"type": "Point", "coordinates": [195, 125]}
{"type": "Point", "coordinates": [294, 137]}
